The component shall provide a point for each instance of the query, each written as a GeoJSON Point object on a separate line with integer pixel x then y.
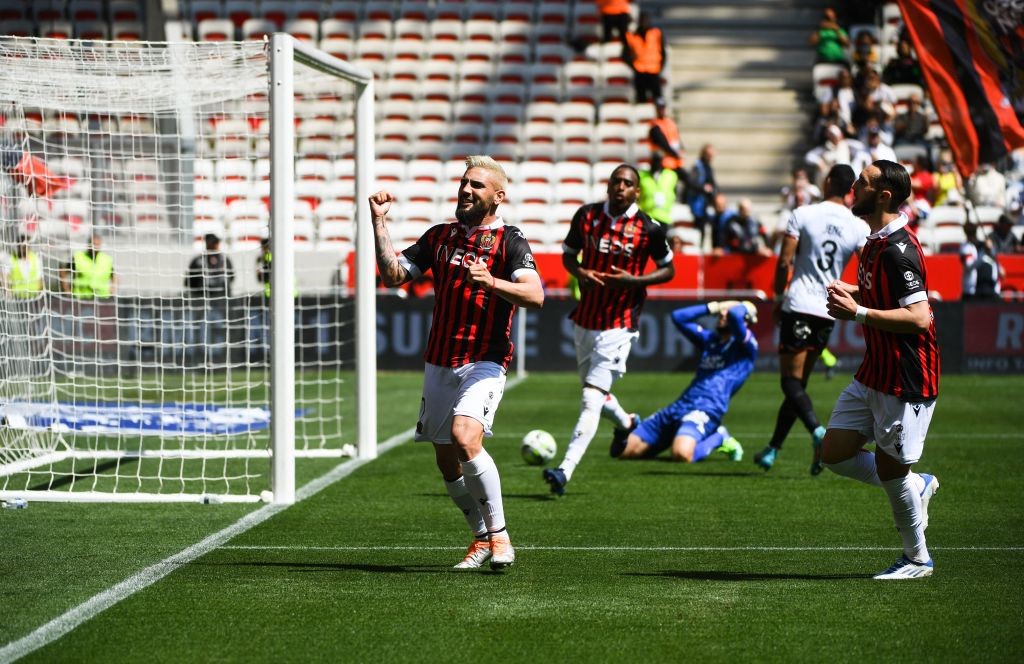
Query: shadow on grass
{"type": "Point", "coordinates": [700, 473]}
{"type": "Point", "coordinates": [722, 575]}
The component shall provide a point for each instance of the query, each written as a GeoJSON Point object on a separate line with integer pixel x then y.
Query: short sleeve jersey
{"type": "Point", "coordinates": [892, 274]}
{"type": "Point", "coordinates": [627, 242]}
{"type": "Point", "coordinates": [828, 235]}
{"type": "Point", "coordinates": [470, 324]}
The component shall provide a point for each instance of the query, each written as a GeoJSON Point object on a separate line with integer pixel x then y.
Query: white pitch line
{"type": "Point", "coordinates": [641, 549]}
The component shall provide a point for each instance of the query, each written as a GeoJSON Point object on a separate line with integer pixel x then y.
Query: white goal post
{"type": "Point", "coordinates": [131, 173]}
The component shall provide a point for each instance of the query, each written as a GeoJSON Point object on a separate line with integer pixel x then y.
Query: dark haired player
{"type": "Point", "coordinates": [483, 270]}
{"type": "Point", "coordinates": [606, 250]}
{"type": "Point", "coordinates": [892, 396]}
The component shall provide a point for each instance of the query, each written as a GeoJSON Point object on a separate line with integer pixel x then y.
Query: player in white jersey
{"type": "Point", "coordinates": [819, 241]}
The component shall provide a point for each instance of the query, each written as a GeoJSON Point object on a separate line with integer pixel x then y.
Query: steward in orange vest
{"type": "Point", "coordinates": [614, 18]}
{"type": "Point", "coordinates": [644, 50]}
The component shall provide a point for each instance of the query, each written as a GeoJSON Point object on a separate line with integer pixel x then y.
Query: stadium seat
{"type": "Point", "coordinates": [348, 10]}
{"type": "Point", "coordinates": [419, 10]}
{"type": "Point", "coordinates": [537, 172]}
{"type": "Point", "coordinates": [378, 10]}
{"type": "Point", "coordinates": [445, 30]}
{"type": "Point", "coordinates": [257, 28]}
{"type": "Point", "coordinates": [279, 12]}
{"type": "Point", "coordinates": [338, 47]}
{"type": "Point", "coordinates": [514, 32]}
{"type": "Point", "coordinates": [56, 29]}
{"type": "Point", "coordinates": [615, 113]}
{"type": "Point", "coordinates": [553, 53]}
{"type": "Point", "coordinates": [233, 169]}
{"type": "Point", "coordinates": [577, 112]}
{"type": "Point", "coordinates": [572, 194]}
{"type": "Point", "coordinates": [127, 31]}
{"type": "Point", "coordinates": [304, 29]}
{"type": "Point", "coordinates": [946, 215]}
{"type": "Point", "coordinates": [478, 30]}
{"type": "Point", "coordinates": [375, 29]}
{"type": "Point", "coordinates": [335, 28]}
{"type": "Point", "coordinates": [517, 10]}
{"type": "Point", "coordinates": [543, 111]}
{"type": "Point", "coordinates": [410, 29]}
{"type": "Point", "coordinates": [502, 151]}
{"type": "Point", "coordinates": [215, 29]}
{"type": "Point", "coordinates": [84, 10]}
{"type": "Point", "coordinates": [826, 74]}
{"type": "Point", "coordinates": [488, 10]}
{"type": "Point", "coordinates": [477, 51]}
{"type": "Point", "coordinates": [507, 93]}
{"type": "Point", "coordinates": [571, 173]}
{"type": "Point", "coordinates": [92, 30]}
{"type": "Point", "coordinates": [18, 28]}
{"type": "Point", "coordinates": [449, 10]}
{"type": "Point", "coordinates": [47, 10]}
{"type": "Point", "coordinates": [545, 34]}
{"type": "Point", "coordinates": [505, 132]}
{"type": "Point", "coordinates": [12, 10]}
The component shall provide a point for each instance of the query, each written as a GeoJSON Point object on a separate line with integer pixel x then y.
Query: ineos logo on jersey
{"type": "Point", "coordinates": [865, 278]}
{"type": "Point", "coordinates": [458, 257]}
{"type": "Point", "coordinates": [607, 245]}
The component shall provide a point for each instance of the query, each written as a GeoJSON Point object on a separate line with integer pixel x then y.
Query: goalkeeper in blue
{"type": "Point", "coordinates": [691, 426]}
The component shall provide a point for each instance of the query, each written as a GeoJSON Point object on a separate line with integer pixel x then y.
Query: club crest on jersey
{"type": "Point", "coordinates": [486, 240]}
{"type": "Point", "coordinates": [629, 229]}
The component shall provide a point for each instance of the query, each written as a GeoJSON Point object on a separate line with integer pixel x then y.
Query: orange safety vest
{"type": "Point", "coordinates": [668, 127]}
{"type": "Point", "coordinates": [612, 7]}
{"type": "Point", "coordinates": [646, 51]}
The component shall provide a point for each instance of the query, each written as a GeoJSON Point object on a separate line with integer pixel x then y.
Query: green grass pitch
{"type": "Point", "coordinates": [640, 560]}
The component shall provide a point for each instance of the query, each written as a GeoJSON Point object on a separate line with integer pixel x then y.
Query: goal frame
{"type": "Point", "coordinates": [284, 55]}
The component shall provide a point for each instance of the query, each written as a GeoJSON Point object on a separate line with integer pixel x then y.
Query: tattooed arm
{"type": "Point", "coordinates": [391, 271]}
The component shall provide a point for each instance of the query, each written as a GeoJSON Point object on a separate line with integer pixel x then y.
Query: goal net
{"type": "Point", "coordinates": [178, 313]}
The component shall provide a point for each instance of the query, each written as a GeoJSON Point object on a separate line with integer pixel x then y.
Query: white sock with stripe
{"type": "Point", "coordinates": [908, 515]}
{"type": "Point", "coordinates": [860, 467]}
{"type": "Point", "coordinates": [484, 484]}
{"type": "Point", "coordinates": [460, 496]}
{"type": "Point", "coordinates": [614, 412]}
{"type": "Point", "coordinates": [591, 404]}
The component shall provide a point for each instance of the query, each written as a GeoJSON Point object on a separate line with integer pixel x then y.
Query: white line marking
{"type": "Point", "coordinates": [822, 549]}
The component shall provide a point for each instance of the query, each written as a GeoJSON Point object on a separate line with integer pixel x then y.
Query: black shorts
{"type": "Point", "coordinates": [799, 332]}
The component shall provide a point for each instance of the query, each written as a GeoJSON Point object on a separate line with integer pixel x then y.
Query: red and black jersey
{"type": "Point", "coordinates": [891, 275]}
{"type": "Point", "coordinates": [627, 242]}
{"type": "Point", "coordinates": [470, 324]}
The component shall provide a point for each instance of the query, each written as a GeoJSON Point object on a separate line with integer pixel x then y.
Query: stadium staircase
{"type": "Point", "coordinates": [741, 80]}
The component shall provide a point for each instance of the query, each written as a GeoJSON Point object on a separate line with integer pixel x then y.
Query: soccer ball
{"type": "Point", "coordinates": [538, 447]}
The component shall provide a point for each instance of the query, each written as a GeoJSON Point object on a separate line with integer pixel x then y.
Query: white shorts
{"type": "Point", "coordinates": [897, 427]}
{"type": "Point", "coordinates": [473, 390]}
{"type": "Point", "coordinates": [601, 355]}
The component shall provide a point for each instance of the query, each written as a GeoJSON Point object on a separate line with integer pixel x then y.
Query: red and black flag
{"type": "Point", "coordinates": [972, 56]}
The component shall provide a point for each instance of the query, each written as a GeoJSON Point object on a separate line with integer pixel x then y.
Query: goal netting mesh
{"type": "Point", "coordinates": [135, 342]}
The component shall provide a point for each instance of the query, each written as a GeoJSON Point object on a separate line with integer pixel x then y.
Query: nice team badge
{"type": "Point", "coordinates": [629, 229]}
{"type": "Point", "coordinates": [486, 241]}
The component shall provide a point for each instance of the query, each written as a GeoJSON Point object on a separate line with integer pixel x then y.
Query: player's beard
{"type": "Point", "coordinates": [473, 215]}
{"type": "Point", "coordinates": [863, 208]}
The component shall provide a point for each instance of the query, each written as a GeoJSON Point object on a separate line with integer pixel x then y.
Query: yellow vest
{"type": "Point", "coordinates": [26, 284]}
{"type": "Point", "coordinates": [658, 195]}
{"type": "Point", "coordinates": [93, 274]}
{"type": "Point", "coordinates": [268, 258]}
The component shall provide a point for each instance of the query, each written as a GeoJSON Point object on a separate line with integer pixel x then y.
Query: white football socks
{"type": "Point", "coordinates": [860, 467]}
{"type": "Point", "coordinates": [905, 499]}
{"type": "Point", "coordinates": [614, 412]}
{"type": "Point", "coordinates": [484, 484]}
{"type": "Point", "coordinates": [460, 496]}
{"type": "Point", "coordinates": [591, 404]}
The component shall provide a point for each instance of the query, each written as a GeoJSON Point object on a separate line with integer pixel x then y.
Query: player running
{"type": "Point", "coordinates": [820, 240]}
{"type": "Point", "coordinates": [892, 396]}
{"type": "Point", "coordinates": [691, 425]}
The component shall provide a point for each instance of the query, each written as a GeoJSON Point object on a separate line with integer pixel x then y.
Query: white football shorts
{"type": "Point", "coordinates": [473, 390]}
{"type": "Point", "coordinates": [601, 355]}
{"type": "Point", "coordinates": [897, 427]}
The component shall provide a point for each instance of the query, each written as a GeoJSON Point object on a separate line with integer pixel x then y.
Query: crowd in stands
{"type": "Point", "coordinates": [873, 104]}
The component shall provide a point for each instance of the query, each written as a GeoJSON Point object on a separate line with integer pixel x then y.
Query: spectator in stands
{"type": "Point", "coordinates": [664, 139]}
{"type": "Point", "coordinates": [835, 149]}
{"type": "Point", "coordinates": [948, 185]}
{"type": "Point", "coordinates": [658, 188]}
{"type": "Point", "coordinates": [911, 126]}
{"type": "Point", "coordinates": [21, 272]}
{"type": "Point", "coordinates": [831, 114]}
{"type": "Point", "coordinates": [987, 187]}
{"type": "Point", "coordinates": [800, 191]}
{"type": "Point", "coordinates": [701, 192]}
{"type": "Point", "coordinates": [922, 184]}
{"type": "Point", "coordinates": [865, 50]}
{"type": "Point", "coordinates": [210, 274]}
{"type": "Point", "coordinates": [1002, 240]}
{"type": "Point", "coordinates": [720, 215]}
{"type": "Point", "coordinates": [90, 274]}
{"type": "Point", "coordinates": [742, 232]}
{"type": "Point", "coordinates": [982, 272]}
{"type": "Point", "coordinates": [874, 148]}
{"type": "Point", "coordinates": [904, 68]}
{"type": "Point", "coordinates": [644, 52]}
{"type": "Point", "coordinates": [830, 40]}
{"type": "Point", "coordinates": [875, 126]}
{"type": "Point", "coordinates": [845, 97]}
{"type": "Point", "coordinates": [872, 88]}
{"type": "Point", "coordinates": [615, 17]}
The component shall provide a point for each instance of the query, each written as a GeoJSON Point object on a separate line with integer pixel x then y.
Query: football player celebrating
{"type": "Point", "coordinates": [483, 270]}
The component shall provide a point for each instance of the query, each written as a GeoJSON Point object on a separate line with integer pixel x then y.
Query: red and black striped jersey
{"type": "Point", "coordinates": [891, 275]}
{"type": "Point", "coordinates": [627, 242]}
{"type": "Point", "coordinates": [470, 324]}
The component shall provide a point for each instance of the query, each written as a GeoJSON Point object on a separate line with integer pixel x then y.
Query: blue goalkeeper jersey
{"type": "Point", "coordinates": [724, 365]}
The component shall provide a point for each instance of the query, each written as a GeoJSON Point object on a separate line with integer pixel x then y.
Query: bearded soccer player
{"type": "Point", "coordinates": [820, 240]}
{"type": "Point", "coordinates": [606, 250]}
{"type": "Point", "coordinates": [483, 270]}
{"type": "Point", "coordinates": [892, 396]}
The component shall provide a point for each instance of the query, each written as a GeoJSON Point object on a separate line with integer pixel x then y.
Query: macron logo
{"type": "Point", "coordinates": [902, 246]}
